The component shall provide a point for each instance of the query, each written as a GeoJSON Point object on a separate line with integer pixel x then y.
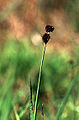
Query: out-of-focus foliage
{"type": "Point", "coordinates": [73, 11]}
{"type": "Point", "coordinates": [18, 64]}
{"type": "Point", "coordinates": [20, 57]}
{"type": "Point", "coordinates": [16, 61]}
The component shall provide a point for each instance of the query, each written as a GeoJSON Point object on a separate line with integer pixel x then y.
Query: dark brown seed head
{"type": "Point", "coordinates": [45, 38]}
{"type": "Point", "coordinates": [49, 28]}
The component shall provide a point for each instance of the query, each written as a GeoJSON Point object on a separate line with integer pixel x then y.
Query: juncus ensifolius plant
{"type": "Point", "coordinates": [45, 39]}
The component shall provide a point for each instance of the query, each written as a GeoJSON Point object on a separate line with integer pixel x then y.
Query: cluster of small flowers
{"type": "Point", "coordinates": [46, 35]}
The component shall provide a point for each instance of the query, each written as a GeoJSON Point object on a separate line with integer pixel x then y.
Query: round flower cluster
{"type": "Point", "coordinates": [46, 35]}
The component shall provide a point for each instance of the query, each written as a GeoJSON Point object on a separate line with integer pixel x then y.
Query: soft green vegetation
{"type": "Point", "coordinates": [19, 63]}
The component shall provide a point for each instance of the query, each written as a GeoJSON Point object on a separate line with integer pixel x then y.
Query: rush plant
{"type": "Point", "coordinates": [45, 38]}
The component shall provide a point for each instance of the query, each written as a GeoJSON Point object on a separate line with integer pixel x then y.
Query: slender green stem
{"type": "Point", "coordinates": [39, 79]}
{"type": "Point", "coordinates": [73, 94]}
{"type": "Point", "coordinates": [67, 96]}
{"type": "Point", "coordinates": [23, 110]}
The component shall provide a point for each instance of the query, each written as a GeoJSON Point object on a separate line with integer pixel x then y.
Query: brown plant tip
{"type": "Point", "coordinates": [45, 38]}
{"type": "Point", "coordinates": [71, 62]}
{"type": "Point", "coordinates": [49, 28]}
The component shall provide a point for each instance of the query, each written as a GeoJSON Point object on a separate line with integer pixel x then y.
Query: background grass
{"type": "Point", "coordinates": [19, 61]}
{"type": "Point", "coordinates": [22, 24]}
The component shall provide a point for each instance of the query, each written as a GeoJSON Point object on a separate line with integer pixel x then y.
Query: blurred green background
{"type": "Point", "coordinates": [22, 23]}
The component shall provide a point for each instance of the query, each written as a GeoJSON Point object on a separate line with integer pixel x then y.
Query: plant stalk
{"type": "Point", "coordinates": [39, 80]}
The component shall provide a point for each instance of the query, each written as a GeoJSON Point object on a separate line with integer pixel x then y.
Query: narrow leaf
{"type": "Point", "coordinates": [31, 105]}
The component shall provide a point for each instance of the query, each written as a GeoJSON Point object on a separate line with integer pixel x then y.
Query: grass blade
{"type": "Point", "coordinates": [31, 104]}
{"type": "Point", "coordinates": [16, 114]}
{"type": "Point", "coordinates": [24, 110]}
{"type": "Point", "coordinates": [67, 96]}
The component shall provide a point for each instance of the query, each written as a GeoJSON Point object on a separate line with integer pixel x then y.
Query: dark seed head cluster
{"type": "Point", "coordinates": [46, 35]}
{"type": "Point", "coordinates": [49, 28]}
